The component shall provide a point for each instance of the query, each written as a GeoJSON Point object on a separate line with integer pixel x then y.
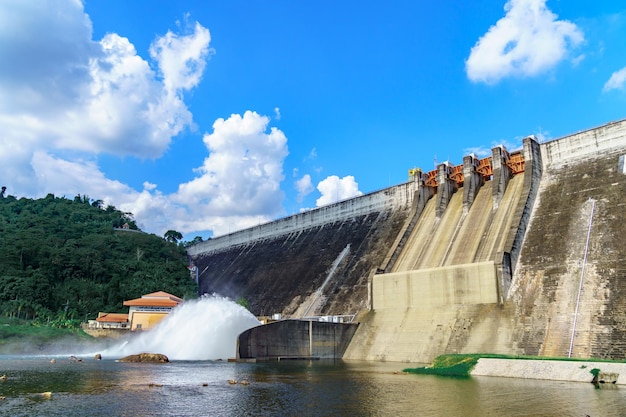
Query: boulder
{"type": "Point", "coordinates": [146, 358]}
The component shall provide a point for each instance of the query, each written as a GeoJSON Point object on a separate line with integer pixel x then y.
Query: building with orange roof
{"type": "Point", "coordinates": [147, 311]}
{"type": "Point", "coordinates": [110, 321]}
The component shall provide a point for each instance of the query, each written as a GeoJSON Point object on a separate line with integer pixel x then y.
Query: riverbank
{"type": "Point", "coordinates": [523, 367]}
{"type": "Point", "coordinates": [30, 337]}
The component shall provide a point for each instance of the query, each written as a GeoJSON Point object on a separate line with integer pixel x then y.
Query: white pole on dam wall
{"type": "Point", "coordinates": [582, 274]}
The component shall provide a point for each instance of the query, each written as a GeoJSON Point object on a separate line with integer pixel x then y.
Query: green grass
{"type": "Point", "coordinates": [22, 336]}
{"type": "Point", "coordinates": [460, 365]}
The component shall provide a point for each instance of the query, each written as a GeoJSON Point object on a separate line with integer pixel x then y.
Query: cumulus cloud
{"type": "Point", "coordinates": [182, 59]}
{"type": "Point", "coordinates": [335, 189]}
{"type": "Point", "coordinates": [304, 187]}
{"type": "Point", "coordinates": [527, 41]}
{"type": "Point", "coordinates": [617, 81]}
{"type": "Point", "coordinates": [61, 90]}
{"type": "Point", "coordinates": [239, 182]}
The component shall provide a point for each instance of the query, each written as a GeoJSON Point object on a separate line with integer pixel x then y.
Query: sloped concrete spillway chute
{"type": "Point", "coordinates": [455, 267]}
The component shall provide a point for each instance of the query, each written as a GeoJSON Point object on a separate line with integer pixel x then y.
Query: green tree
{"type": "Point", "coordinates": [67, 259]}
{"type": "Point", "coordinates": [172, 236]}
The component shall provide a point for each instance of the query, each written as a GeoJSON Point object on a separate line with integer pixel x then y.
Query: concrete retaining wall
{"type": "Point", "coordinates": [434, 287]}
{"type": "Point", "coordinates": [551, 370]}
{"type": "Point", "coordinates": [295, 339]}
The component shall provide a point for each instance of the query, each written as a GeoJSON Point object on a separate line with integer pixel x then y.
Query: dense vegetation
{"type": "Point", "coordinates": [62, 261]}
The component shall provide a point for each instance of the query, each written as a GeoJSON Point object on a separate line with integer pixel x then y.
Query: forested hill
{"type": "Point", "coordinates": [64, 259]}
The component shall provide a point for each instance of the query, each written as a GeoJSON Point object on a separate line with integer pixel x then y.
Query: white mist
{"type": "Point", "coordinates": [196, 330]}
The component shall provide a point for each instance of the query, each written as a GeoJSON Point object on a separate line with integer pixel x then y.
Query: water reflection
{"type": "Point", "coordinates": [298, 388]}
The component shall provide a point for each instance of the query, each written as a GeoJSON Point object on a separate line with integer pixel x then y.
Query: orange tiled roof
{"type": "Point", "coordinates": [112, 318]}
{"type": "Point", "coordinates": [163, 294]}
{"type": "Point", "coordinates": [155, 299]}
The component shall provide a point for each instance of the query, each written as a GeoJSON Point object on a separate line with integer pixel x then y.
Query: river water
{"type": "Point", "coordinates": [288, 388]}
{"type": "Point", "coordinates": [196, 383]}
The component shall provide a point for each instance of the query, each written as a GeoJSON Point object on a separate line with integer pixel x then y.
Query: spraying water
{"type": "Point", "coordinates": [202, 329]}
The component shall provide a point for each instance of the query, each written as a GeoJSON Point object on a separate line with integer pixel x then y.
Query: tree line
{"type": "Point", "coordinates": [68, 259]}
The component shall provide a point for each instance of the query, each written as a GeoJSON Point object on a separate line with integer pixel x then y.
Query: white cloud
{"type": "Point", "coordinates": [479, 151]}
{"type": "Point", "coordinates": [239, 182]}
{"type": "Point", "coordinates": [312, 155]}
{"type": "Point", "coordinates": [528, 40]}
{"type": "Point", "coordinates": [304, 187]}
{"type": "Point", "coordinates": [617, 81]}
{"type": "Point", "coordinates": [277, 113]}
{"type": "Point", "coordinates": [334, 189]}
{"type": "Point", "coordinates": [182, 58]}
{"type": "Point", "coordinates": [238, 185]}
{"type": "Point", "coordinates": [61, 90]}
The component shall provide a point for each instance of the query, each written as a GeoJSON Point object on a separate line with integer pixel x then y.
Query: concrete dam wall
{"type": "Point", "coordinates": [315, 263]}
{"type": "Point", "coordinates": [522, 254]}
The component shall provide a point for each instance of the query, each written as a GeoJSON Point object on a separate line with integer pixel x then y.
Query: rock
{"type": "Point", "coordinates": [146, 358]}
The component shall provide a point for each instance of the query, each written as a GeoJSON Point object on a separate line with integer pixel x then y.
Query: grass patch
{"type": "Point", "coordinates": [460, 365]}
{"type": "Point", "coordinates": [23, 336]}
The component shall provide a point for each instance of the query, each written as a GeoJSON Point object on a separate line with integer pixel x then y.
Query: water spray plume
{"type": "Point", "coordinates": [202, 329]}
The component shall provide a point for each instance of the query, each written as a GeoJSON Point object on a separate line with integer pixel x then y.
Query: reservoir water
{"type": "Point", "coordinates": [288, 388]}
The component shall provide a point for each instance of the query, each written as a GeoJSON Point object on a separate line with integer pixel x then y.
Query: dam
{"type": "Point", "coordinates": [518, 253]}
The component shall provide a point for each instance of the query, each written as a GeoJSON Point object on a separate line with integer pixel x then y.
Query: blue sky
{"type": "Point", "coordinates": [207, 117]}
